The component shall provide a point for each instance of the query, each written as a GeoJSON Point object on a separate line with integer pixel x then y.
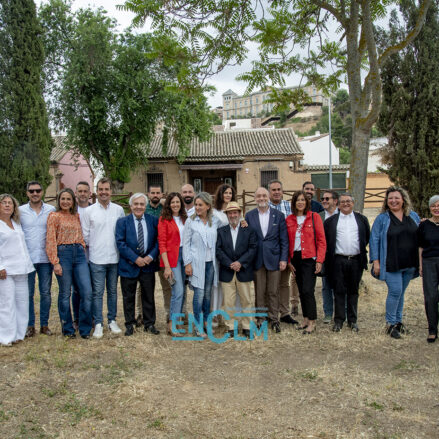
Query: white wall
{"type": "Point", "coordinates": [374, 158]}
{"type": "Point", "coordinates": [316, 150]}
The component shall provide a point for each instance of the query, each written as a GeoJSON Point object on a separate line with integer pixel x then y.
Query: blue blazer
{"type": "Point", "coordinates": [274, 247]}
{"type": "Point", "coordinates": [126, 241]}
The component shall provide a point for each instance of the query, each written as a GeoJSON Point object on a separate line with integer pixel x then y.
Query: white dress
{"type": "Point", "coordinates": [14, 291]}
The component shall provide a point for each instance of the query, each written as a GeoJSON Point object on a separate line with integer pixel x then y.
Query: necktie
{"type": "Point", "coordinates": [140, 237]}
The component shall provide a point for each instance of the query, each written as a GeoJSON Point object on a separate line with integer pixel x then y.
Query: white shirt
{"type": "Point", "coordinates": [347, 240]}
{"type": "Point", "coordinates": [234, 232]}
{"type": "Point", "coordinates": [180, 226]}
{"type": "Point", "coordinates": [298, 237]}
{"type": "Point", "coordinates": [190, 211]}
{"type": "Point", "coordinates": [14, 256]}
{"type": "Point", "coordinates": [264, 219]}
{"type": "Point", "coordinates": [98, 228]}
{"type": "Point", "coordinates": [328, 215]}
{"type": "Point", "coordinates": [222, 216]}
{"type": "Point", "coordinates": [35, 227]}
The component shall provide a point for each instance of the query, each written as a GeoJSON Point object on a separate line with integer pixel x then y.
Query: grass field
{"type": "Point", "coordinates": [326, 385]}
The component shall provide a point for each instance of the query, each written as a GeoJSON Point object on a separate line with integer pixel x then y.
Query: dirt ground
{"type": "Point", "coordinates": [325, 385]}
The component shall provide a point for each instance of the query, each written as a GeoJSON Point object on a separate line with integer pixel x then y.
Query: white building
{"type": "Point", "coordinates": [316, 150]}
{"type": "Point", "coordinates": [375, 146]}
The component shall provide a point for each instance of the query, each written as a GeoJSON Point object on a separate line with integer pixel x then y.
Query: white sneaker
{"type": "Point", "coordinates": [112, 326]}
{"type": "Point", "coordinates": [99, 331]}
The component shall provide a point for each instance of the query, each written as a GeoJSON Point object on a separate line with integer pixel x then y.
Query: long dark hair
{"type": "Point", "coordinates": [74, 207]}
{"type": "Point", "coordinates": [219, 195]}
{"type": "Point", "coordinates": [167, 212]}
{"type": "Point", "coordinates": [296, 195]}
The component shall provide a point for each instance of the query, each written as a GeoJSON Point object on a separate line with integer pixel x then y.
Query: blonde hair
{"type": "Point", "coordinates": [16, 214]}
{"type": "Point", "coordinates": [406, 203]}
{"type": "Point", "coordinates": [206, 199]}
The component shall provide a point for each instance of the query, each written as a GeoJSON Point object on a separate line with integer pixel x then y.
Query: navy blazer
{"type": "Point", "coordinates": [244, 253]}
{"type": "Point", "coordinates": [126, 241]}
{"type": "Point", "coordinates": [274, 247]}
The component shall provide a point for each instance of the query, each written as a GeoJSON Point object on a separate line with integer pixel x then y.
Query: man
{"type": "Point", "coordinates": [329, 203]}
{"type": "Point", "coordinates": [272, 254]}
{"type": "Point", "coordinates": [347, 235]}
{"type": "Point", "coordinates": [188, 194]}
{"type": "Point", "coordinates": [309, 189]}
{"type": "Point", "coordinates": [136, 239]}
{"type": "Point", "coordinates": [275, 190]}
{"type": "Point", "coordinates": [154, 208]}
{"type": "Point", "coordinates": [33, 217]}
{"type": "Point", "coordinates": [98, 227]}
{"type": "Point", "coordinates": [235, 249]}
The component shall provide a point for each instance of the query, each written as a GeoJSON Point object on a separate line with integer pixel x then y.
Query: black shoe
{"type": "Point", "coordinates": [275, 327]}
{"type": "Point", "coordinates": [431, 338]}
{"type": "Point", "coordinates": [392, 330]}
{"type": "Point", "coordinates": [152, 329]}
{"type": "Point", "coordinates": [139, 321]}
{"type": "Point", "coordinates": [401, 328]}
{"type": "Point", "coordinates": [354, 327]}
{"type": "Point", "coordinates": [70, 336]}
{"type": "Point", "coordinates": [301, 328]}
{"type": "Point", "coordinates": [337, 327]}
{"type": "Point", "coordinates": [246, 333]}
{"type": "Point", "coordinates": [129, 331]}
{"type": "Point", "coordinates": [289, 319]}
{"type": "Point", "coordinates": [85, 336]}
{"type": "Point", "coordinates": [231, 333]}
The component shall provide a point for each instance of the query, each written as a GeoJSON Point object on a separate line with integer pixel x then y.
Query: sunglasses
{"type": "Point", "coordinates": [34, 191]}
{"type": "Point", "coordinates": [326, 198]}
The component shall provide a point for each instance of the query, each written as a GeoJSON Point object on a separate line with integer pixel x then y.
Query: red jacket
{"type": "Point", "coordinates": [169, 241]}
{"type": "Point", "coordinates": [308, 242]}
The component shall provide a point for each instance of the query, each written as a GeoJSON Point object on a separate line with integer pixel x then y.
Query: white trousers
{"type": "Point", "coordinates": [14, 308]}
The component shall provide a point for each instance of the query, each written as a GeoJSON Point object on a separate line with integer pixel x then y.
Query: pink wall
{"type": "Point", "coordinates": [75, 169]}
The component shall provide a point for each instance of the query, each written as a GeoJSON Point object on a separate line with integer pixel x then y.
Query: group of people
{"type": "Point", "coordinates": [206, 244]}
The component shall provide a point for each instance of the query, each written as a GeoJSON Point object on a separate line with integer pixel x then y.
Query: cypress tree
{"type": "Point", "coordinates": [25, 139]}
{"type": "Point", "coordinates": [410, 111]}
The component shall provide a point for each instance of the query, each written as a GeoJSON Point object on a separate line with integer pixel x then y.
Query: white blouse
{"type": "Point", "coordinates": [14, 256]}
{"type": "Point", "coordinates": [180, 226]}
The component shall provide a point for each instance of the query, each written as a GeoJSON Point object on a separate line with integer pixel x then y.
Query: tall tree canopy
{"type": "Point", "coordinates": [25, 141]}
{"type": "Point", "coordinates": [111, 92]}
{"type": "Point", "coordinates": [291, 36]}
{"type": "Point", "coordinates": [410, 111]}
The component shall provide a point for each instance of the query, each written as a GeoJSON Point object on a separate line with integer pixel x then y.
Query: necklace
{"type": "Point", "coordinates": [436, 223]}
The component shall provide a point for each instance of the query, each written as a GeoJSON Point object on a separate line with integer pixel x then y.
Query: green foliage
{"type": "Point", "coordinates": [110, 93]}
{"type": "Point", "coordinates": [410, 111]}
{"type": "Point", "coordinates": [25, 140]}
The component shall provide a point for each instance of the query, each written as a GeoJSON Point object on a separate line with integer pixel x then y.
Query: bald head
{"type": "Point", "coordinates": [261, 198]}
{"type": "Point", "coordinates": [188, 194]}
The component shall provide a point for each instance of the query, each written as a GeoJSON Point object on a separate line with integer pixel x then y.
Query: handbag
{"type": "Point", "coordinates": [322, 271]}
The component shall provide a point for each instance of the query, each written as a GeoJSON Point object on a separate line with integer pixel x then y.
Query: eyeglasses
{"type": "Point", "coordinates": [34, 191]}
{"type": "Point", "coordinates": [326, 198]}
{"type": "Point", "coordinates": [6, 203]}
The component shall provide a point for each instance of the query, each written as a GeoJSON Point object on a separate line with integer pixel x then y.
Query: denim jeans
{"type": "Point", "coordinates": [76, 301]}
{"type": "Point", "coordinates": [397, 283]}
{"type": "Point", "coordinates": [201, 302]}
{"type": "Point", "coordinates": [44, 271]}
{"type": "Point", "coordinates": [328, 297]}
{"type": "Point", "coordinates": [74, 267]}
{"type": "Point", "coordinates": [101, 274]}
{"type": "Point", "coordinates": [178, 289]}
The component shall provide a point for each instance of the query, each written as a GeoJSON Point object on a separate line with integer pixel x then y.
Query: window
{"type": "Point", "coordinates": [154, 178]}
{"type": "Point", "coordinates": [197, 185]}
{"type": "Point", "coordinates": [267, 176]}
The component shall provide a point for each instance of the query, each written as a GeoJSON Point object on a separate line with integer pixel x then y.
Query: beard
{"type": "Point", "coordinates": [188, 200]}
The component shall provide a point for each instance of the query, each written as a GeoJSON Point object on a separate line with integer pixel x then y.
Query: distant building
{"type": "Point", "coordinates": [316, 150]}
{"type": "Point", "coordinates": [255, 104]}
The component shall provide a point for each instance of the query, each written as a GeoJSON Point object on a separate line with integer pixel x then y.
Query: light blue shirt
{"type": "Point", "coordinates": [145, 231]}
{"type": "Point", "coordinates": [35, 227]}
{"type": "Point", "coordinates": [283, 207]}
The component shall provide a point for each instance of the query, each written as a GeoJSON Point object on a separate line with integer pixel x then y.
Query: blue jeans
{"type": "Point", "coordinates": [201, 302]}
{"type": "Point", "coordinates": [99, 274]}
{"type": "Point", "coordinates": [328, 297]}
{"type": "Point", "coordinates": [177, 292]}
{"type": "Point", "coordinates": [76, 300]}
{"type": "Point", "coordinates": [397, 283]}
{"type": "Point", "coordinates": [44, 271]}
{"type": "Point", "coordinates": [74, 267]}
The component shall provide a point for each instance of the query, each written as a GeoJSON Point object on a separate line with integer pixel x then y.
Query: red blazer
{"type": "Point", "coordinates": [169, 241]}
{"type": "Point", "coordinates": [308, 242]}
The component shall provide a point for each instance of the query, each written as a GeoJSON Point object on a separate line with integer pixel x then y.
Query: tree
{"type": "Point", "coordinates": [216, 32]}
{"type": "Point", "coordinates": [25, 140]}
{"type": "Point", "coordinates": [112, 92]}
{"type": "Point", "coordinates": [410, 110]}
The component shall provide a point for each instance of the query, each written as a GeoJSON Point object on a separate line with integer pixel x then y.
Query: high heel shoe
{"type": "Point", "coordinates": [305, 332]}
{"type": "Point", "coordinates": [301, 328]}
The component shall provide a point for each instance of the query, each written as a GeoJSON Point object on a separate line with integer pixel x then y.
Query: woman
{"type": "Point", "coordinates": [170, 237]}
{"type": "Point", "coordinates": [394, 253]}
{"type": "Point", "coordinates": [428, 241]}
{"type": "Point", "coordinates": [199, 256]}
{"type": "Point", "coordinates": [15, 265]}
{"type": "Point", "coordinates": [307, 253]}
{"type": "Point", "coordinates": [65, 248]}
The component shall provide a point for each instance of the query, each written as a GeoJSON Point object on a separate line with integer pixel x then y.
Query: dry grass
{"type": "Point", "coordinates": [326, 385]}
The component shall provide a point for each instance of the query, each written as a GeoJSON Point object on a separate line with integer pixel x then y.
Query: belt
{"type": "Point", "coordinates": [349, 256]}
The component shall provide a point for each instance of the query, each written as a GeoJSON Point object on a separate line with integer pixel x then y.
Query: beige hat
{"type": "Point", "coordinates": [233, 205]}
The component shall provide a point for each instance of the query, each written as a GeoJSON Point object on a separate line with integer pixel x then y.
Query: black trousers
{"type": "Point", "coordinates": [430, 284]}
{"type": "Point", "coordinates": [147, 285]}
{"type": "Point", "coordinates": [347, 276]}
{"type": "Point", "coordinates": [306, 282]}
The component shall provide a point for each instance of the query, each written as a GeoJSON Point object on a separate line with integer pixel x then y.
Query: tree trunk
{"type": "Point", "coordinates": [117, 186]}
{"type": "Point", "coordinates": [358, 168]}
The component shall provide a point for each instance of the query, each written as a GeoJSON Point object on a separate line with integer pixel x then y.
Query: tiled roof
{"type": "Point", "coordinates": [326, 167]}
{"type": "Point", "coordinates": [233, 145]}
